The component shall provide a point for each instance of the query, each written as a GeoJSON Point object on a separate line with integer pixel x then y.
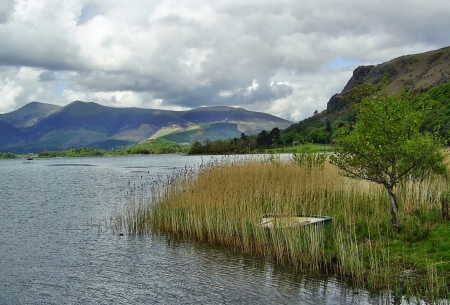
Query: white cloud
{"type": "Point", "coordinates": [283, 57]}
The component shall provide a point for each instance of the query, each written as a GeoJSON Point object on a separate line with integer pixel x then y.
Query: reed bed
{"type": "Point", "coordinates": [223, 202]}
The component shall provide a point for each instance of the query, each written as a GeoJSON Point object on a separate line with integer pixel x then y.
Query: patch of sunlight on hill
{"type": "Point", "coordinates": [168, 130]}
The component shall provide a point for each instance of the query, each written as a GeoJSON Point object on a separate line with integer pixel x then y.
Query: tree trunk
{"type": "Point", "coordinates": [445, 215]}
{"type": "Point", "coordinates": [394, 209]}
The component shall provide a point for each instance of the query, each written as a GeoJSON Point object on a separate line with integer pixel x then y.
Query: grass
{"type": "Point", "coordinates": [309, 147]}
{"type": "Point", "coordinates": [223, 202]}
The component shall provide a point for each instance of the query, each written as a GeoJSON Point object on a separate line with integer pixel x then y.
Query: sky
{"type": "Point", "coordinates": [283, 57]}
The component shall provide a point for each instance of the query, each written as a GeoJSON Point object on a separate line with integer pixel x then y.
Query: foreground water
{"type": "Point", "coordinates": [56, 248]}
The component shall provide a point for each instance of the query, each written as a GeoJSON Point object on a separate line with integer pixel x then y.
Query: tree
{"type": "Point", "coordinates": [318, 135]}
{"type": "Point", "coordinates": [196, 148]}
{"type": "Point", "coordinates": [329, 130]}
{"type": "Point", "coordinates": [275, 136]}
{"type": "Point", "coordinates": [328, 127]}
{"type": "Point", "coordinates": [263, 139]}
{"type": "Point", "coordinates": [386, 146]}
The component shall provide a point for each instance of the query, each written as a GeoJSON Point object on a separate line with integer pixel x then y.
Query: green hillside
{"type": "Point", "coordinates": [434, 105]}
{"type": "Point", "coordinates": [426, 75]}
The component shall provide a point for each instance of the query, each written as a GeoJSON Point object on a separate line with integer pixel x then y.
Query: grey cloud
{"type": "Point", "coordinates": [27, 48]}
{"type": "Point", "coordinates": [173, 95]}
{"type": "Point", "coordinates": [108, 82]}
{"type": "Point", "coordinates": [47, 76]}
{"type": "Point", "coordinates": [208, 95]}
{"type": "Point", "coordinates": [6, 9]}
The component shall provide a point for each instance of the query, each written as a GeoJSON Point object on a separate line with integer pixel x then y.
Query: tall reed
{"type": "Point", "coordinates": [223, 202]}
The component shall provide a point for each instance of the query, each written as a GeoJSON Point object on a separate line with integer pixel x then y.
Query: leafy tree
{"type": "Point", "coordinates": [319, 135]}
{"type": "Point", "coordinates": [263, 139]}
{"type": "Point", "coordinates": [275, 136]}
{"type": "Point", "coordinates": [266, 139]}
{"type": "Point", "coordinates": [386, 146]}
{"type": "Point", "coordinates": [7, 155]}
{"type": "Point", "coordinates": [157, 146]}
{"type": "Point", "coordinates": [196, 148]}
{"type": "Point", "coordinates": [328, 126]}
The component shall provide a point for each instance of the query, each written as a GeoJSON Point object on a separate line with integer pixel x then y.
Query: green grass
{"type": "Point", "coordinates": [303, 148]}
{"type": "Point", "coordinates": [431, 244]}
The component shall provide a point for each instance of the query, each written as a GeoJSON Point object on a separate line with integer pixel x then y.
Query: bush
{"type": "Point", "coordinates": [7, 155]}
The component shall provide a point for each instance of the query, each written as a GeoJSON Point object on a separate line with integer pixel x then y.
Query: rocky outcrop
{"type": "Point", "coordinates": [359, 77]}
{"type": "Point", "coordinates": [336, 103]}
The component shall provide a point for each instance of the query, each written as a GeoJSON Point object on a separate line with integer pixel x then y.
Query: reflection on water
{"type": "Point", "coordinates": [55, 248]}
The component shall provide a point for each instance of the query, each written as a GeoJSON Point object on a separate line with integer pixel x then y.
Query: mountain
{"type": "Point", "coordinates": [427, 75]}
{"type": "Point", "coordinates": [29, 115]}
{"type": "Point", "coordinates": [418, 73]}
{"type": "Point", "coordinates": [37, 126]}
{"type": "Point", "coordinates": [212, 123]}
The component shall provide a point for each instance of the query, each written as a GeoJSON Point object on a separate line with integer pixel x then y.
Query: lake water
{"type": "Point", "coordinates": [56, 248]}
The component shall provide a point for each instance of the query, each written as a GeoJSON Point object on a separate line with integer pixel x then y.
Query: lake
{"type": "Point", "coordinates": [56, 246]}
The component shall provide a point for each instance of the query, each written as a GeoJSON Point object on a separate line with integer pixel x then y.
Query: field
{"type": "Point", "coordinates": [224, 200]}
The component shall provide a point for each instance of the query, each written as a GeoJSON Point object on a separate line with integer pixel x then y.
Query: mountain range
{"type": "Point", "coordinates": [38, 126]}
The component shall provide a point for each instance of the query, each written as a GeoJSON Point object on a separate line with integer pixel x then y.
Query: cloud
{"type": "Point", "coordinates": [285, 57]}
{"type": "Point", "coordinates": [6, 8]}
{"type": "Point", "coordinates": [47, 76]}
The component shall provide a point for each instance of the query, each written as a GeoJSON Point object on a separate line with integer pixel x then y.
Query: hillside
{"type": "Point", "coordinates": [418, 73]}
{"type": "Point", "coordinates": [427, 75]}
{"type": "Point", "coordinates": [9, 135]}
{"type": "Point", "coordinates": [37, 126]}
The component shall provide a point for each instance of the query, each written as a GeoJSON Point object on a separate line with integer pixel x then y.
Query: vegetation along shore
{"type": "Point", "coordinates": [224, 201]}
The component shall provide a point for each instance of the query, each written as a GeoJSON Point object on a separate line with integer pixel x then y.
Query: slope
{"type": "Point", "coordinates": [427, 75]}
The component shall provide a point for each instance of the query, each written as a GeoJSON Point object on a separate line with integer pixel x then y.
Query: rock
{"type": "Point", "coordinates": [358, 78]}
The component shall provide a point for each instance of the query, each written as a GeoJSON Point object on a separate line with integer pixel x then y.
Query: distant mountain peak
{"type": "Point", "coordinates": [29, 115]}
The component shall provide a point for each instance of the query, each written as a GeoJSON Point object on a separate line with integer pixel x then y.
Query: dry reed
{"type": "Point", "coordinates": [223, 202]}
